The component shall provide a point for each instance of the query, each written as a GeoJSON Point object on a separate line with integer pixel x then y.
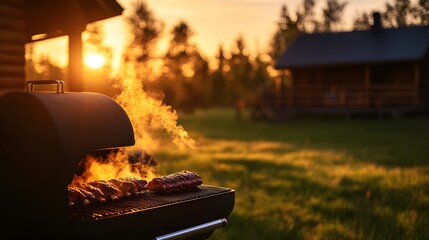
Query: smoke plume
{"type": "Point", "coordinates": [150, 117]}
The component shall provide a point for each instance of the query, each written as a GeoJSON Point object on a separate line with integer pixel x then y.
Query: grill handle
{"type": "Point", "coordinates": [29, 87]}
{"type": "Point", "coordinates": [194, 231]}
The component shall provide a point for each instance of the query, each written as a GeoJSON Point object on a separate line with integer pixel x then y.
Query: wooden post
{"type": "Point", "coordinates": [74, 28]}
{"type": "Point", "coordinates": [75, 71]}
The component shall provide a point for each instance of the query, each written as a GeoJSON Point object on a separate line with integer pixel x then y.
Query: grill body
{"type": "Point", "coordinates": [43, 136]}
{"type": "Point", "coordinates": [154, 215]}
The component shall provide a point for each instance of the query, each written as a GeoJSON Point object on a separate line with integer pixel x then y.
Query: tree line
{"type": "Point", "coordinates": [186, 81]}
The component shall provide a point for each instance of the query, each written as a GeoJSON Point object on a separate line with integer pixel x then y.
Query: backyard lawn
{"type": "Point", "coordinates": [312, 178]}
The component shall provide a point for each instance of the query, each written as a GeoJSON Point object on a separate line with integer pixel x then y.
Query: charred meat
{"type": "Point", "coordinates": [109, 189]}
{"type": "Point", "coordinates": [79, 196]}
{"type": "Point", "coordinates": [99, 195]}
{"type": "Point", "coordinates": [83, 194]}
{"type": "Point", "coordinates": [139, 183]}
{"type": "Point", "coordinates": [176, 182]}
{"type": "Point", "coordinates": [128, 187]}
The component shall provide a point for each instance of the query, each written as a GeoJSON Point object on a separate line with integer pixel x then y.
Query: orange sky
{"type": "Point", "coordinates": [214, 23]}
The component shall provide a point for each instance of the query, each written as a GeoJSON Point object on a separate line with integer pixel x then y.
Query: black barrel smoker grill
{"type": "Point", "coordinates": [44, 135]}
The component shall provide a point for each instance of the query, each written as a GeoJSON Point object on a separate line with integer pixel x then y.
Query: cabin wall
{"type": "Point", "coordinates": [339, 76]}
{"type": "Point", "coordinates": [329, 86]}
{"type": "Point", "coordinates": [393, 73]}
{"type": "Point", "coordinates": [12, 40]}
{"type": "Point", "coordinates": [394, 85]}
{"type": "Point", "coordinates": [370, 86]}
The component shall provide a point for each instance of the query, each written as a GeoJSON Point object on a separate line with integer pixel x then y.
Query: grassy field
{"type": "Point", "coordinates": [313, 178]}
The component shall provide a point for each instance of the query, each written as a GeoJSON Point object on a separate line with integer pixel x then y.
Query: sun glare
{"type": "Point", "coordinates": [94, 60]}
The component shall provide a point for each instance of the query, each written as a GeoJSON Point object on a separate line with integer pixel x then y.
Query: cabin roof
{"type": "Point", "coordinates": [357, 47]}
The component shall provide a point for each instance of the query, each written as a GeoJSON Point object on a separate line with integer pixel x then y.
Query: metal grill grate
{"type": "Point", "coordinates": [141, 203]}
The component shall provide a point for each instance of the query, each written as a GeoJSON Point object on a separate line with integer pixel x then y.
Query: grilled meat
{"type": "Point", "coordinates": [176, 182]}
{"type": "Point", "coordinates": [99, 195]}
{"type": "Point", "coordinates": [109, 189]}
{"type": "Point", "coordinates": [79, 196]}
{"type": "Point", "coordinates": [126, 187]}
{"type": "Point", "coordinates": [140, 183]}
{"type": "Point", "coordinates": [83, 194]}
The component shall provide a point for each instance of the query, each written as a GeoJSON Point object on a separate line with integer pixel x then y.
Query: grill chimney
{"type": "Point", "coordinates": [377, 25]}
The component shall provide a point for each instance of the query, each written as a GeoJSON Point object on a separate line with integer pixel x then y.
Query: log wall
{"type": "Point", "coordinates": [12, 44]}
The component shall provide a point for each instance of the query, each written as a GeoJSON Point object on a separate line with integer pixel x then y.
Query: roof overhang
{"type": "Point", "coordinates": [54, 18]}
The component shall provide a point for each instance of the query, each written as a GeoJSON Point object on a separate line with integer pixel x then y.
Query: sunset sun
{"type": "Point", "coordinates": [94, 60]}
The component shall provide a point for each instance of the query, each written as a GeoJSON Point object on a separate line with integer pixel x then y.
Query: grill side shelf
{"type": "Point", "coordinates": [142, 203]}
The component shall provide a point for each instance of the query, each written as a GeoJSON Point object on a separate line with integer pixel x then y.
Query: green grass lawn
{"type": "Point", "coordinates": [312, 178]}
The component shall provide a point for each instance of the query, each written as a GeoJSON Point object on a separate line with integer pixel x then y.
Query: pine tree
{"type": "Point", "coordinates": [306, 17]}
{"type": "Point", "coordinates": [362, 22]}
{"type": "Point", "coordinates": [404, 13]}
{"type": "Point", "coordinates": [332, 15]}
{"type": "Point", "coordinates": [240, 72]}
{"type": "Point", "coordinates": [145, 30]}
{"type": "Point", "coordinates": [286, 33]}
{"type": "Point", "coordinates": [398, 14]}
{"type": "Point", "coordinates": [185, 71]}
{"type": "Point", "coordinates": [218, 82]}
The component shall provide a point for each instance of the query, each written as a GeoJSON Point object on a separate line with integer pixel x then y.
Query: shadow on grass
{"type": "Point", "coordinates": [281, 201]}
{"type": "Point", "coordinates": [246, 227]}
{"type": "Point", "coordinates": [299, 198]}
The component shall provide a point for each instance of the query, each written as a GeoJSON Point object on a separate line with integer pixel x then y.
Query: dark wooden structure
{"type": "Point", "coordinates": [25, 21]}
{"type": "Point", "coordinates": [378, 71]}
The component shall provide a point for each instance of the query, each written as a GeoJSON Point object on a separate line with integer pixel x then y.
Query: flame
{"type": "Point", "coordinates": [149, 117]}
{"type": "Point", "coordinates": [115, 165]}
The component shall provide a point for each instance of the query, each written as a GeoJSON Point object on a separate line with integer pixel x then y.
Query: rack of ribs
{"type": "Point", "coordinates": [83, 194]}
{"type": "Point", "coordinates": [176, 182]}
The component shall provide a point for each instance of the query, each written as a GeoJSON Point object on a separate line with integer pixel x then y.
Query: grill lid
{"type": "Point", "coordinates": [44, 135]}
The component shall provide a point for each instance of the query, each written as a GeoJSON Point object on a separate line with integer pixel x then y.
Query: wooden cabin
{"type": "Point", "coordinates": [378, 71]}
{"type": "Point", "coordinates": [26, 21]}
